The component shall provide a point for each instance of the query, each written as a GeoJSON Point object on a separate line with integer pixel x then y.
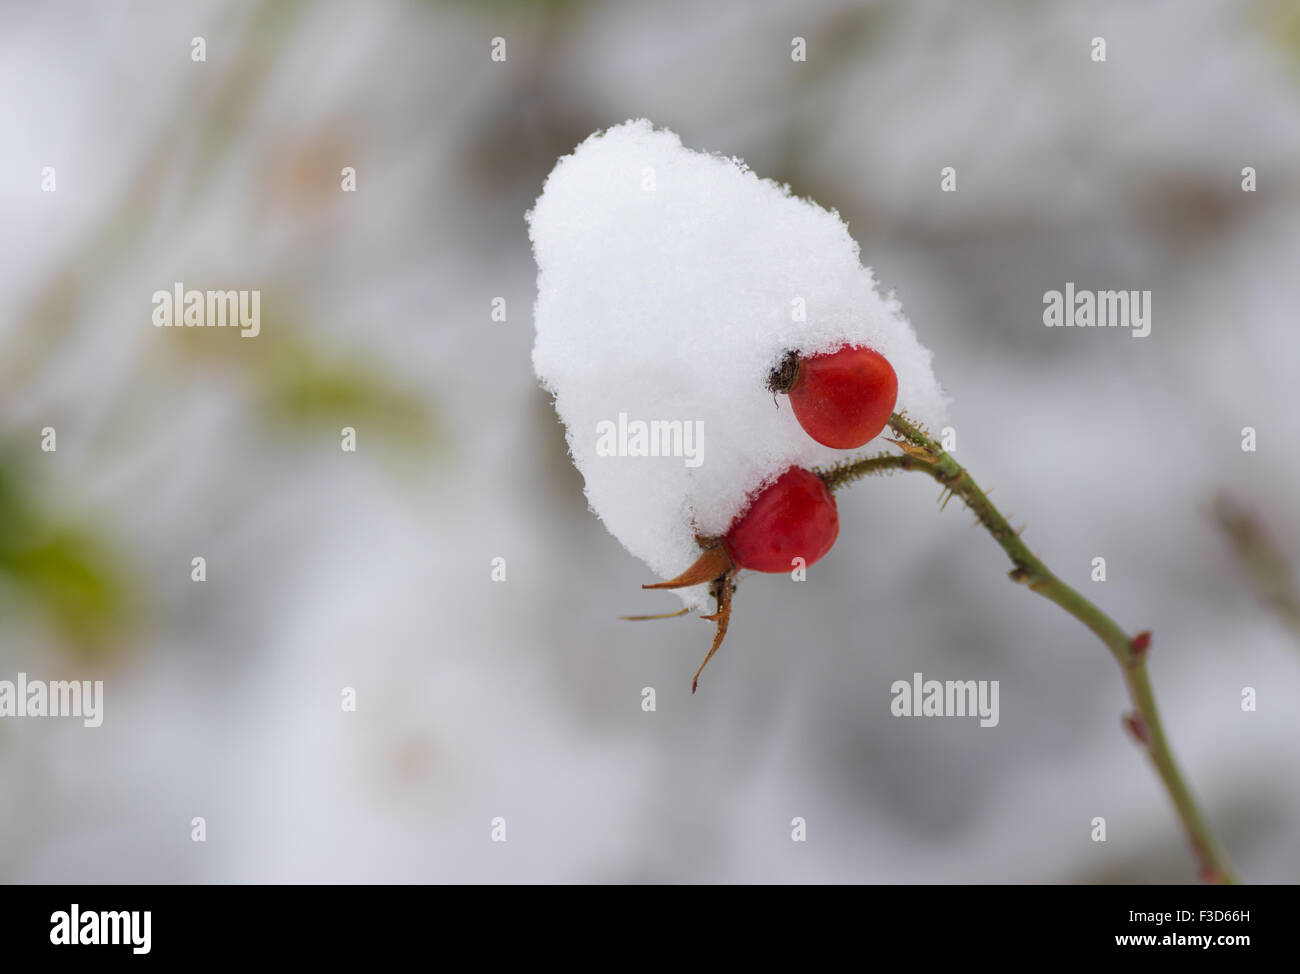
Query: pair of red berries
{"type": "Point", "coordinates": [842, 399]}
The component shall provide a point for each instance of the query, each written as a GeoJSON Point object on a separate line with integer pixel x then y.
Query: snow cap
{"type": "Point", "coordinates": [670, 284]}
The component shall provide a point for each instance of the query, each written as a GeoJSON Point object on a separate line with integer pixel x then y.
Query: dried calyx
{"type": "Point", "coordinates": [792, 522]}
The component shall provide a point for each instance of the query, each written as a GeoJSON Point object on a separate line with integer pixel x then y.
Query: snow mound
{"type": "Point", "coordinates": [670, 284]}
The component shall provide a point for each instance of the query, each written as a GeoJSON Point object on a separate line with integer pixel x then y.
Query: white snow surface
{"type": "Point", "coordinates": [667, 289]}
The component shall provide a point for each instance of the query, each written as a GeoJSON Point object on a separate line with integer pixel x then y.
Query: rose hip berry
{"type": "Point", "coordinates": [793, 517]}
{"type": "Point", "coordinates": [842, 399]}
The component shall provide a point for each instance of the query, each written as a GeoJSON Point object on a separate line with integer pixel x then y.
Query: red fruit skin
{"type": "Point", "coordinates": [794, 517]}
{"type": "Point", "coordinates": [845, 398]}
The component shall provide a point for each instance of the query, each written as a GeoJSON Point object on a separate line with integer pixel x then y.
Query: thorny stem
{"type": "Point", "coordinates": [921, 453]}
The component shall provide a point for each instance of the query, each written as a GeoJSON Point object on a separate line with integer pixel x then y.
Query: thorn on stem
{"type": "Point", "coordinates": [1018, 575]}
{"type": "Point", "coordinates": [1140, 644]}
{"type": "Point", "coordinates": [912, 450]}
{"type": "Point", "coordinates": [1136, 727]}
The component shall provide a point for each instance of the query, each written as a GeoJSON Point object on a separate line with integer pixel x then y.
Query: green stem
{"type": "Point", "coordinates": [920, 452]}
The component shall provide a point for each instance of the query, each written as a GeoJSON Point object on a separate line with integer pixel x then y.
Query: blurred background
{"type": "Point", "coordinates": [522, 699]}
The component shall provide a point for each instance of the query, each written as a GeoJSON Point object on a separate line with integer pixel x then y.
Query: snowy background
{"type": "Point", "coordinates": [522, 699]}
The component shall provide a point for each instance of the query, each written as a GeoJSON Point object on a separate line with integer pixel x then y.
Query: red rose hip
{"type": "Point", "coordinates": [842, 399]}
{"type": "Point", "coordinates": [794, 517]}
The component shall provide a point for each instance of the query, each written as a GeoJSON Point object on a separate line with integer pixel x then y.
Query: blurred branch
{"type": "Point", "coordinates": [309, 387]}
{"type": "Point", "coordinates": [304, 383]}
{"type": "Point", "coordinates": [1268, 566]}
{"type": "Point", "coordinates": [67, 572]}
{"type": "Point", "coordinates": [205, 118]}
{"type": "Point", "coordinates": [920, 452]}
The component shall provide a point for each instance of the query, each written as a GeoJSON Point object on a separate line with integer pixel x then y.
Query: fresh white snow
{"type": "Point", "coordinates": [670, 283]}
